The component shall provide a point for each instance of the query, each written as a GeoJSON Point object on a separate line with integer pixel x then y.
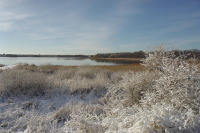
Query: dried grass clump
{"type": "Point", "coordinates": [64, 74]}
{"type": "Point", "coordinates": [31, 68]}
{"type": "Point", "coordinates": [98, 82]}
{"type": "Point", "coordinates": [29, 80]}
{"type": "Point", "coordinates": [91, 72]}
{"type": "Point", "coordinates": [83, 78]}
{"type": "Point", "coordinates": [46, 68]}
{"type": "Point", "coordinates": [16, 82]}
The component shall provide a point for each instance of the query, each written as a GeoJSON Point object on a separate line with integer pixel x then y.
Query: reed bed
{"type": "Point", "coordinates": [48, 68]}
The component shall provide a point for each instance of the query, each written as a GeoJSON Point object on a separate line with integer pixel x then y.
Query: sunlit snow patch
{"type": "Point", "coordinates": [8, 67]}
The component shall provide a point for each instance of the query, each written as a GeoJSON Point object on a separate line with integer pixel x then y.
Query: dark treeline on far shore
{"type": "Point", "coordinates": [29, 55]}
{"type": "Point", "coordinates": [141, 54]}
{"type": "Point", "coordinates": [137, 54]}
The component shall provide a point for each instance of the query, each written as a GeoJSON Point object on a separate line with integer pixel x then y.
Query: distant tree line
{"type": "Point", "coordinates": [26, 55]}
{"type": "Point", "coordinates": [190, 53]}
{"type": "Point", "coordinates": [141, 54]}
{"type": "Point", "coordinates": [137, 54]}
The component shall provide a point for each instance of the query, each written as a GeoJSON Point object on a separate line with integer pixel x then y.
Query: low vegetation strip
{"type": "Point", "coordinates": [48, 68]}
{"type": "Point", "coordinates": [1, 65]}
{"type": "Point", "coordinates": [162, 98]}
{"type": "Point", "coordinates": [118, 59]}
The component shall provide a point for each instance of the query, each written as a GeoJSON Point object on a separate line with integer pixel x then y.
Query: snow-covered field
{"type": "Point", "coordinates": [93, 100]}
{"type": "Point", "coordinates": [38, 114]}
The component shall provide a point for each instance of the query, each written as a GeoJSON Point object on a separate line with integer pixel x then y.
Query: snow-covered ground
{"type": "Point", "coordinates": [45, 112]}
{"type": "Point", "coordinates": [16, 113]}
{"type": "Point", "coordinates": [8, 67]}
{"type": "Point", "coordinates": [91, 100]}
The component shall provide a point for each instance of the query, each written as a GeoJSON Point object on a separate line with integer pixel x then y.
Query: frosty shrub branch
{"type": "Point", "coordinates": [163, 99]}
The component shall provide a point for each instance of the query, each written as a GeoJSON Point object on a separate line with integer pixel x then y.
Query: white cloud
{"type": "Point", "coordinates": [12, 16]}
{"type": "Point", "coordinates": [11, 13]}
{"type": "Point", "coordinates": [6, 26]}
{"type": "Point", "coordinates": [10, 3]}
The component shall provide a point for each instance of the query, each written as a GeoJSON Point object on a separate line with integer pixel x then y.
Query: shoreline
{"type": "Point", "coordinates": [125, 67]}
{"type": "Point", "coordinates": [115, 59]}
{"type": "Point", "coordinates": [134, 66]}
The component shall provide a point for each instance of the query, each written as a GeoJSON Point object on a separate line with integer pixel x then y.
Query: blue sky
{"type": "Point", "coordinates": [97, 26]}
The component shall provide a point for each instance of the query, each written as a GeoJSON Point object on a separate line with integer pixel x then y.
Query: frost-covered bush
{"type": "Point", "coordinates": [116, 77]}
{"type": "Point", "coordinates": [18, 82]}
{"type": "Point", "coordinates": [179, 81]}
{"type": "Point", "coordinates": [166, 99]}
{"type": "Point", "coordinates": [87, 118]}
{"type": "Point", "coordinates": [135, 85]}
{"type": "Point", "coordinates": [178, 86]}
{"type": "Point", "coordinates": [131, 88]}
{"type": "Point", "coordinates": [154, 58]}
{"type": "Point", "coordinates": [79, 83]}
{"type": "Point", "coordinates": [160, 118]}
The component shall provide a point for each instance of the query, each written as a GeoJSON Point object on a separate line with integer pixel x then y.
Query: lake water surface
{"type": "Point", "coordinates": [66, 61]}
